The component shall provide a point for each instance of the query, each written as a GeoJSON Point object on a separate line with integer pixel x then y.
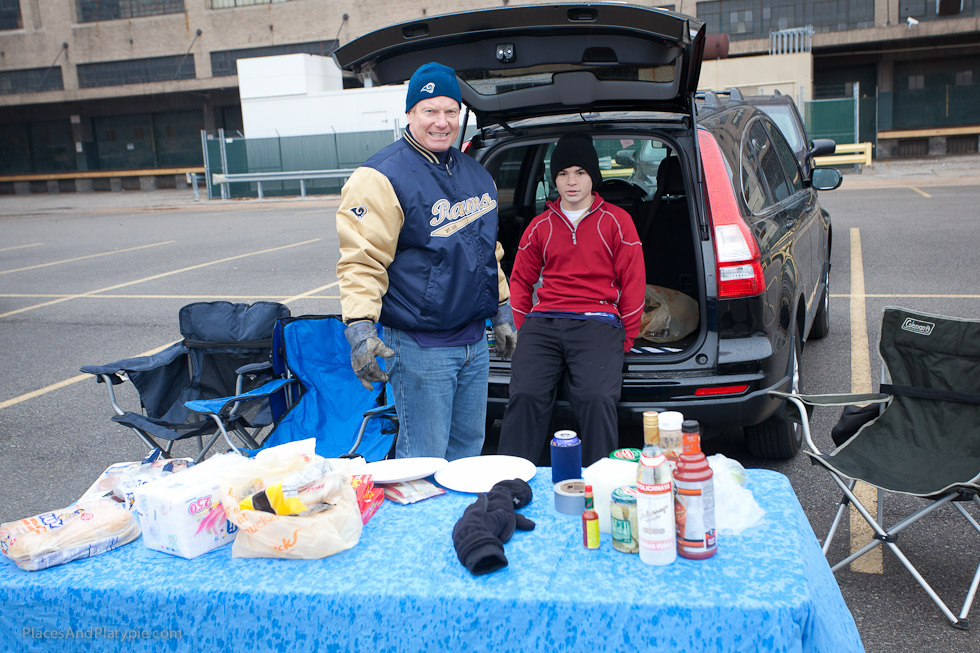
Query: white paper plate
{"type": "Point", "coordinates": [397, 470]}
{"type": "Point", "coordinates": [480, 473]}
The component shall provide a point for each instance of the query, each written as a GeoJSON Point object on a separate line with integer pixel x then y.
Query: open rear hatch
{"type": "Point", "coordinates": [521, 62]}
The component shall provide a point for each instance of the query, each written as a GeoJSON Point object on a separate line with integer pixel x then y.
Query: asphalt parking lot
{"type": "Point", "coordinates": [93, 278]}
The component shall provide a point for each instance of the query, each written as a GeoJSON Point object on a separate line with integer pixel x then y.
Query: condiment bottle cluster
{"type": "Point", "coordinates": [671, 509]}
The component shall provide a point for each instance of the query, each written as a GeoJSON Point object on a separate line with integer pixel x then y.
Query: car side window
{"type": "Point", "coordinates": [763, 151]}
{"type": "Point", "coordinates": [791, 167]}
{"type": "Point", "coordinates": [753, 187]}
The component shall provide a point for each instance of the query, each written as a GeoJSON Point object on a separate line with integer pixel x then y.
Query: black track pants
{"type": "Point", "coordinates": [590, 354]}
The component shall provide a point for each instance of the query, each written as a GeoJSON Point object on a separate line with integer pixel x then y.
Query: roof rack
{"type": "Point", "coordinates": [715, 98]}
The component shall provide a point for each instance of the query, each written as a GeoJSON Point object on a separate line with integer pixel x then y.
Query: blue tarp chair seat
{"type": "Point", "coordinates": [327, 399]}
{"type": "Point", "coordinates": [226, 348]}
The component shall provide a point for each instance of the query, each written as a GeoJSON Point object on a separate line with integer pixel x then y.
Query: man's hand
{"type": "Point", "coordinates": [504, 331]}
{"type": "Point", "coordinates": [365, 347]}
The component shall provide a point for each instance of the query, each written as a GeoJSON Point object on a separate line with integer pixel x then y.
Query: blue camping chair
{"type": "Point", "coordinates": [226, 348]}
{"type": "Point", "coordinates": [323, 397]}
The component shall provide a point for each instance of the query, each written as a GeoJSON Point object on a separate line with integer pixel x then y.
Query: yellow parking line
{"type": "Point", "coordinates": [88, 256]}
{"type": "Point", "coordinates": [924, 194]}
{"type": "Point", "coordinates": [7, 249]}
{"type": "Point", "coordinates": [67, 382]}
{"type": "Point", "coordinates": [861, 532]}
{"type": "Point", "coordinates": [155, 277]}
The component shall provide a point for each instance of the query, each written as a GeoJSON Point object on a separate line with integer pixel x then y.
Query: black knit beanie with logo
{"type": "Point", "coordinates": [575, 149]}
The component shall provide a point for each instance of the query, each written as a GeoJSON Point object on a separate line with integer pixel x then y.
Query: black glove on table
{"type": "Point", "coordinates": [488, 523]}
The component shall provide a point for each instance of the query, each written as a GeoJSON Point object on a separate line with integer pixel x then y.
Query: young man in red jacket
{"type": "Point", "coordinates": [587, 311]}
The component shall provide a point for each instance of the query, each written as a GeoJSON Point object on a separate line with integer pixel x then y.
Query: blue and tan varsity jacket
{"type": "Point", "coordinates": [418, 240]}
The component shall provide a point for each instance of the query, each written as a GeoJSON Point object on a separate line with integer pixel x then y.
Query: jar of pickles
{"type": "Point", "coordinates": [623, 520]}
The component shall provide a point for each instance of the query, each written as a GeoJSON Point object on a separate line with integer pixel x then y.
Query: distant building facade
{"type": "Point", "coordinates": [129, 84]}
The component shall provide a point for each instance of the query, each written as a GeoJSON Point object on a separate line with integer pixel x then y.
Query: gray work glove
{"type": "Point", "coordinates": [365, 347]}
{"type": "Point", "coordinates": [504, 331]}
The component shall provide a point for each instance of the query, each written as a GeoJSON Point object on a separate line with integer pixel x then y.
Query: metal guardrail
{"type": "Point", "coordinates": [859, 153]}
{"type": "Point", "coordinates": [293, 175]}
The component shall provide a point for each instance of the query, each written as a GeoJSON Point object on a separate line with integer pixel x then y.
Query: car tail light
{"type": "Point", "coordinates": [721, 390]}
{"type": "Point", "coordinates": [737, 257]}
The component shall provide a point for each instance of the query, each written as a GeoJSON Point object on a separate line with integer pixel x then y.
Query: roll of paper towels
{"type": "Point", "coordinates": [605, 475]}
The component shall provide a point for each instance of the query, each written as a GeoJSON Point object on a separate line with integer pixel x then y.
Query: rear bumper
{"type": "Point", "coordinates": [713, 412]}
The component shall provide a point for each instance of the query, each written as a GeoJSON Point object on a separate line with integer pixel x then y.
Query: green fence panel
{"type": "Point", "coordinates": [831, 119]}
{"type": "Point", "coordinates": [315, 152]}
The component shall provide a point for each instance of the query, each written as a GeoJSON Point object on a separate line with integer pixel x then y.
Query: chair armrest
{"type": "Point", "coordinates": [254, 368]}
{"type": "Point", "coordinates": [216, 406]}
{"type": "Point", "coordinates": [137, 364]}
{"type": "Point", "coordinates": [835, 400]}
{"type": "Point", "coordinates": [380, 410]}
{"type": "Point", "coordinates": [802, 401]}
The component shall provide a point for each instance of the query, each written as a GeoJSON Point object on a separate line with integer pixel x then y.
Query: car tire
{"type": "Point", "coordinates": [821, 323]}
{"type": "Point", "coordinates": [778, 438]}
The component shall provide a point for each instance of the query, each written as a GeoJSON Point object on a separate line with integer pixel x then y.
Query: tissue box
{"type": "Point", "coordinates": [182, 513]}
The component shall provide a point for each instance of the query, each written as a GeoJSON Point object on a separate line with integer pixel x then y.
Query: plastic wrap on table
{"type": "Point", "coordinates": [81, 530]}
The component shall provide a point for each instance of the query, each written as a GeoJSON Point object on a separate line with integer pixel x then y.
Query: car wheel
{"type": "Point", "coordinates": [778, 438]}
{"type": "Point", "coordinates": [821, 323]}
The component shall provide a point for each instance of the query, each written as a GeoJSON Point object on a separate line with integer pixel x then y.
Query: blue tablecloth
{"type": "Point", "coordinates": [402, 588]}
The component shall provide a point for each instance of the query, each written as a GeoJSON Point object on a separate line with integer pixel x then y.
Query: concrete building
{"type": "Point", "coordinates": [98, 85]}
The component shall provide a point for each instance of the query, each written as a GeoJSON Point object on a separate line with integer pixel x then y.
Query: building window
{"type": "Point", "coordinates": [89, 11]}
{"type": "Point", "coordinates": [755, 19]}
{"type": "Point", "coordinates": [223, 62]}
{"type": "Point", "coordinates": [136, 71]}
{"type": "Point", "coordinates": [230, 4]}
{"type": "Point", "coordinates": [10, 14]}
{"type": "Point", "coordinates": [917, 82]}
{"type": "Point", "coordinates": [964, 78]}
{"type": "Point", "coordinates": [32, 80]}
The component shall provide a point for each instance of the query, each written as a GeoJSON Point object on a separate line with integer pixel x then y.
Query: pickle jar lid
{"type": "Point", "coordinates": [632, 455]}
{"type": "Point", "coordinates": [624, 494]}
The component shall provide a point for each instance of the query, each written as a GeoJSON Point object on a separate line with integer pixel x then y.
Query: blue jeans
{"type": "Point", "coordinates": [440, 394]}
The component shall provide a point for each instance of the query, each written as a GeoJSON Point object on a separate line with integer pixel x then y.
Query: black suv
{"type": "Point", "coordinates": [730, 222]}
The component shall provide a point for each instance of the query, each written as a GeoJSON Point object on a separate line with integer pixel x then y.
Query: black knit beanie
{"type": "Point", "coordinates": [575, 149]}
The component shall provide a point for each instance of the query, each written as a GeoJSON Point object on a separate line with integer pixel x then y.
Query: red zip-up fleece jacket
{"type": "Point", "coordinates": [596, 266]}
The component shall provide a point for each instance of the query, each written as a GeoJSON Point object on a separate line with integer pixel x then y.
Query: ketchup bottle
{"type": "Point", "coordinates": [694, 499]}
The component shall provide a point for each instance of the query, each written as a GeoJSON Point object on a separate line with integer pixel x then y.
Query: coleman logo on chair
{"type": "Point", "coordinates": [917, 326]}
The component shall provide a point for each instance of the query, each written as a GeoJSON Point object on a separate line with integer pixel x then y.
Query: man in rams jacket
{"type": "Point", "coordinates": [417, 226]}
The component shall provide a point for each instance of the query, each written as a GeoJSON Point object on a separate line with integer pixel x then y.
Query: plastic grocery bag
{"type": "Point", "coordinates": [735, 507]}
{"type": "Point", "coordinates": [81, 530]}
{"type": "Point", "coordinates": [268, 535]}
{"type": "Point", "coordinates": [668, 315]}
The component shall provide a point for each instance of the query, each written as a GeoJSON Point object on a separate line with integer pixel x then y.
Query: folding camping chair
{"type": "Point", "coordinates": [324, 398]}
{"type": "Point", "coordinates": [226, 348]}
{"type": "Point", "coordinates": [925, 442]}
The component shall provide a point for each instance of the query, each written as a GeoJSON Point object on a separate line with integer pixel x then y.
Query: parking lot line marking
{"type": "Point", "coordinates": [861, 532]}
{"type": "Point", "coordinates": [67, 382]}
{"type": "Point", "coordinates": [7, 249]}
{"type": "Point", "coordinates": [87, 256]}
{"type": "Point", "coordinates": [154, 277]}
{"type": "Point", "coordinates": [81, 377]}
{"type": "Point", "coordinates": [924, 194]}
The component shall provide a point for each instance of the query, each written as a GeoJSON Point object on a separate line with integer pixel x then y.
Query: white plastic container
{"type": "Point", "coordinates": [671, 438]}
{"type": "Point", "coordinates": [605, 475]}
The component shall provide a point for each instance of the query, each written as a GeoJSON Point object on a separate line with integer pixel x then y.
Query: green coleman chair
{"type": "Point", "coordinates": [924, 441]}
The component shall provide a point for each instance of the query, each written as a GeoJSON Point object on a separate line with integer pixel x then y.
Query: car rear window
{"type": "Point", "coordinates": [498, 82]}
